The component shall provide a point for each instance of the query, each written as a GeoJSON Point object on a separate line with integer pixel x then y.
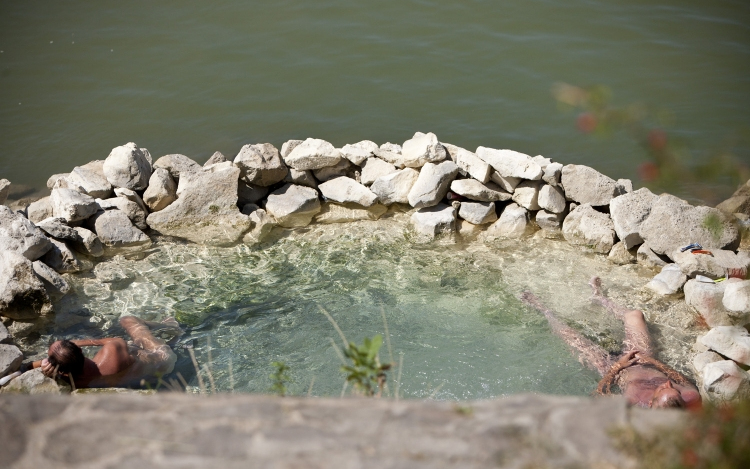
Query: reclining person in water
{"type": "Point", "coordinates": [643, 380]}
{"type": "Point", "coordinates": [116, 364]}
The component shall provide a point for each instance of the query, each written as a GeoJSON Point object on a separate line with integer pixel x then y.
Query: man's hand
{"type": "Point", "coordinates": [48, 370]}
{"type": "Point", "coordinates": [629, 359]}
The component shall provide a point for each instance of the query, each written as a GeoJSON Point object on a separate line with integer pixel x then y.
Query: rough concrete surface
{"type": "Point", "coordinates": [245, 431]}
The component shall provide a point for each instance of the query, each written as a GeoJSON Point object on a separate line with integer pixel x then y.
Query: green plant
{"type": "Point", "coordinates": [279, 378]}
{"type": "Point", "coordinates": [213, 209]}
{"type": "Point", "coordinates": [712, 223]}
{"type": "Point", "coordinates": [366, 372]}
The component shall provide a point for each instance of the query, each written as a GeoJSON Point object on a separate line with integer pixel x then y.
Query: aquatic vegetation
{"type": "Point", "coordinates": [279, 378]}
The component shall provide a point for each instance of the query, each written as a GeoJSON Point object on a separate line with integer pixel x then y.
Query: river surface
{"type": "Point", "coordinates": [452, 310]}
{"type": "Point", "coordinates": [78, 78]}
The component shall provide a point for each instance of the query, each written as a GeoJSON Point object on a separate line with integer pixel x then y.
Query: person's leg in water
{"type": "Point", "coordinates": [153, 352]}
{"type": "Point", "coordinates": [637, 337]}
{"type": "Point", "coordinates": [590, 353]}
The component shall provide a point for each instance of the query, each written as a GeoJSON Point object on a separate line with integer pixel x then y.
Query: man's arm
{"type": "Point", "coordinates": [93, 342]}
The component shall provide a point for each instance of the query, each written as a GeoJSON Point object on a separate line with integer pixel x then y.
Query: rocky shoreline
{"type": "Point", "coordinates": [120, 205]}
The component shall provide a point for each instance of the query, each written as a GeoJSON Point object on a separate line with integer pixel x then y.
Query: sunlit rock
{"type": "Point", "coordinates": [511, 163]}
{"type": "Point", "coordinates": [22, 294]}
{"type": "Point", "coordinates": [585, 226]}
{"type": "Point", "coordinates": [32, 382]}
{"type": "Point", "coordinates": [40, 209]}
{"type": "Point", "coordinates": [177, 165]}
{"type": "Point", "coordinates": [395, 187]}
{"type": "Point", "coordinates": [737, 296]}
{"type": "Point", "coordinates": [4, 190]}
{"type": "Point", "coordinates": [88, 179]}
{"type": "Point", "coordinates": [343, 168]}
{"type": "Point", "coordinates": [10, 359]}
{"type": "Point", "coordinates": [551, 199]}
{"type": "Point", "coordinates": [127, 166]}
{"type": "Point", "coordinates": [475, 190]}
{"type": "Point", "coordinates": [57, 228]}
{"type": "Point", "coordinates": [514, 222]}
{"type": "Point", "coordinates": [358, 152]}
{"type": "Point", "coordinates": [527, 195]}
{"type": "Point", "coordinates": [19, 235]}
{"type": "Point", "coordinates": [647, 257]}
{"type": "Point", "coordinates": [621, 255]}
{"type": "Point", "coordinates": [344, 190]}
{"type": "Point", "coordinates": [421, 149]}
{"type": "Point", "coordinates": [54, 282]}
{"type": "Point", "coordinates": [216, 158]}
{"type": "Point", "coordinates": [435, 220]}
{"type": "Point", "coordinates": [731, 341]}
{"type": "Point", "coordinates": [478, 213]}
{"type": "Point", "coordinates": [349, 212]}
{"type": "Point", "coordinates": [311, 154]}
{"type": "Point", "coordinates": [301, 178]}
{"type": "Point", "coordinates": [552, 174]}
{"type": "Point", "coordinates": [508, 184]}
{"type": "Point", "coordinates": [293, 206]}
{"type": "Point", "coordinates": [724, 381]}
{"type": "Point", "coordinates": [669, 281]}
{"type": "Point", "coordinates": [161, 191]}
{"type": "Point", "coordinates": [134, 212]}
{"type": "Point", "coordinates": [469, 163]}
{"type": "Point", "coordinates": [72, 205]}
{"type": "Point", "coordinates": [586, 185]}
{"type": "Point", "coordinates": [714, 265]}
{"type": "Point", "coordinates": [432, 184]}
{"type": "Point", "coordinates": [373, 168]}
{"type": "Point", "coordinates": [261, 164]}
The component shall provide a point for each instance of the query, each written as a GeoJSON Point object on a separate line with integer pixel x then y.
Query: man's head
{"type": "Point", "coordinates": [67, 356]}
{"type": "Point", "coordinates": [666, 396]}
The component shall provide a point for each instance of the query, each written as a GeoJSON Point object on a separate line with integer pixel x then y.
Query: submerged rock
{"type": "Point", "coordinates": [647, 257]}
{"type": "Point", "coordinates": [128, 166]}
{"type": "Point", "coordinates": [585, 226]}
{"type": "Point", "coordinates": [550, 222]}
{"type": "Point", "coordinates": [19, 235]}
{"type": "Point", "coordinates": [514, 222]}
{"type": "Point", "coordinates": [621, 255]}
{"type": "Point", "coordinates": [206, 210]}
{"type": "Point", "coordinates": [337, 213]}
{"type": "Point", "coordinates": [262, 223]}
{"type": "Point", "coordinates": [435, 220]}
{"type": "Point", "coordinates": [293, 206]}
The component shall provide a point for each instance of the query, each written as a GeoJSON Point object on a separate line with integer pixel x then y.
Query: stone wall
{"type": "Point", "coordinates": [121, 204]}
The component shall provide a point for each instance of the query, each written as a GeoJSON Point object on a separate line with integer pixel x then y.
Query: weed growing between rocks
{"type": "Point", "coordinates": [279, 378]}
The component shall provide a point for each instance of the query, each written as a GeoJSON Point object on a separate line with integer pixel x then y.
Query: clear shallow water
{"type": "Point", "coordinates": [452, 310]}
{"type": "Point", "coordinates": [77, 79]}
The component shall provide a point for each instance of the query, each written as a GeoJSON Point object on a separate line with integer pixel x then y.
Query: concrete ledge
{"type": "Point", "coordinates": [241, 431]}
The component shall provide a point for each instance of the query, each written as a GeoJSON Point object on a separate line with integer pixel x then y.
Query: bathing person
{"type": "Point", "coordinates": [643, 380]}
{"type": "Point", "coordinates": [116, 364]}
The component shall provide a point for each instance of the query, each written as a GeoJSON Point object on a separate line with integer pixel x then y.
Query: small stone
{"type": "Point", "coordinates": [301, 178]}
{"type": "Point", "coordinates": [127, 166]}
{"type": "Point", "coordinates": [511, 163]}
{"type": "Point", "coordinates": [586, 185]}
{"type": "Point", "coordinates": [585, 226]}
{"type": "Point", "coordinates": [552, 199]}
{"type": "Point", "coordinates": [4, 190]}
{"type": "Point", "coordinates": [434, 221]}
{"type": "Point", "coordinates": [161, 191]}
{"type": "Point", "coordinates": [312, 154]}
{"type": "Point", "coordinates": [391, 147]}
{"type": "Point", "coordinates": [117, 233]}
{"type": "Point", "coordinates": [54, 178]}
{"type": "Point", "coordinates": [22, 294]}
{"type": "Point", "coordinates": [475, 190]}
{"type": "Point", "coordinates": [338, 213]}
{"type": "Point", "coordinates": [177, 165]}
{"type": "Point", "coordinates": [288, 146]}
{"type": "Point", "coordinates": [731, 341]}
{"type": "Point", "coordinates": [89, 179]}
{"type": "Point", "coordinates": [395, 187]}
{"type": "Point", "coordinates": [134, 212]}
{"type": "Point", "coordinates": [55, 283]}
{"type": "Point", "coordinates": [422, 149]}
{"type": "Point", "coordinates": [478, 213]}
{"type": "Point", "coordinates": [468, 231]}
{"type": "Point", "coordinates": [10, 359]}
{"type": "Point", "coordinates": [508, 184]}
{"type": "Point", "coordinates": [724, 381]}
{"type": "Point", "coordinates": [261, 164]}
{"type": "Point", "coordinates": [217, 157]}
{"type": "Point", "coordinates": [621, 255]}
{"type": "Point", "coordinates": [514, 222]}
{"type": "Point", "coordinates": [373, 168]}
{"type": "Point", "coordinates": [39, 210]}
{"type": "Point", "coordinates": [19, 235]}
{"type": "Point", "coordinates": [344, 190]}
{"type": "Point", "coordinates": [669, 281]}
{"type": "Point", "coordinates": [263, 225]}
{"type": "Point", "coordinates": [57, 228]}
{"type": "Point", "coordinates": [32, 382]}
{"type": "Point", "coordinates": [293, 206]}
{"type": "Point", "coordinates": [737, 297]}
{"type": "Point", "coordinates": [90, 244]}
{"type": "Point", "coordinates": [358, 152]}
{"type": "Point", "coordinates": [72, 205]}
{"type": "Point", "coordinates": [469, 163]}
{"type": "Point", "coordinates": [5, 337]}
{"type": "Point", "coordinates": [432, 184]}
{"type": "Point", "coordinates": [527, 195]}
{"type": "Point", "coordinates": [552, 174]}
{"type": "Point", "coordinates": [624, 186]}
{"type": "Point", "coordinates": [342, 168]}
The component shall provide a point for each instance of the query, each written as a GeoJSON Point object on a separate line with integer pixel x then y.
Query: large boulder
{"type": "Point", "coordinates": [432, 184]}
{"type": "Point", "coordinates": [10, 359]}
{"type": "Point", "coordinates": [674, 223]}
{"type": "Point", "coordinates": [422, 149]}
{"type": "Point", "coordinates": [706, 298]}
{"type": "Point", "coordinates": [669, 281]}
{"type": "Point", "coordinates": [475, 190]}
{"type": "Point", "coordinates": [177, 165]}
{"type": "Point", "coordinates": [40, 209]}
{"type": "Point", "coordinates": [373, 168]}
{"type": "Point", "coordinates": [395, 187]}
{"type": "Point", "coordinates": [22, 294]}
{"type": "Point", "coordinates": [724, 381]}
{"type": "Point", "coordinates": [88, 179]}
{"type": "Point", "coordinates": [511, 163]}
{"type": "Point", "coordinates": [4, 190]}
{"type": "Point", "coordinates": [714, 265]}
{"type": "Point", "coordinates": [134, 212]}
{"type": "Point", "coordinates": [433, 221]}
{"type": "Point", "coordinates": [19, 235]}
{"type": "Point", "coordinates": [338, 213]}
{"type": "Point", "coordinates": [161, 191]}
{"type": "Point", "coordinates": [358, 152]}
{"type": "Point", "coordinates": [117, 233]}
{"type": "Point", "coordinates": [514, 222]}
{"type": "Point", "coordinates": [293, 206]}
{"type": "Point", "coordinates": [311, 154]}
{"type": "Point", "coordinates": [58, 229]}
{"type": "Point", "coordinates": [527, 195]}
{"type": "Point", "coordinates": [469, 163]}
{"type": "Point", "coordinates": [478, 213]}
{"type": "Point", "coordinates": [552, 174]}
{"type": "Point", "coordinates": [54, 282]}
{"type": "Point", "coordinates": [206, 210]}
{"type": "Point", "coordinates": [343, 190]}
{"type": "Point", "coordinates": [628, 212]}
{"type": "Point", "coordinates": [731, 341]}
{"type": "Point", "coordinates": [62, 259]}
{"type": "Point", "coordinates": [586, 185]}
{"type": "Point", "coordinates": [737, 297]}
{"type": "Point", "coordinates": [587, 227]}
{"type": "Point", "coordinates": [552, 199]}
{"type": "Point", "coordinates": [128, 166]}
{"type": "Point", "coordinates": [261, 164]}
{"type": "Point", "coordinates": [72, 205]}
{"type": "Point", "coordinates": [396, 159]}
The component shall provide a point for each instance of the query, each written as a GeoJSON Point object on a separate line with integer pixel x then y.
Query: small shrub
{"type": "Point", "coordinates": [366, 372]}
{"type": "Point", "coordinates": [279, 378]}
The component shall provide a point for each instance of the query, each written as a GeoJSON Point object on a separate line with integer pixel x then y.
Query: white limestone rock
{"type": "Point", "coordinates": [293, 206]}
{"type": "Point", "coordinates": [216, 158]}
{"type": "Point", "coordinates": [261, 164]}
{"type": "Point", "coordinates": [344, 190]}
{"type": "Point", "coordinates": [90, 244]}
{"type": "Point", "coordinates": [338, 213]}
{"type": "Point", "coordinates": [5, 337]}
{"type": "Point", "coordinates": [585, 226]}
{"type": "Point", "coordinates": [628, 213]}
{"type": "Point", "coordinates": [177, 165]}
{"type": "Point", "coordinates": [478, 213]}
{"type": "Point", "coordinates": [435, 220]}
{"type": "Point", "coordinates": [131, 196]}
{"type": "Point", "coordinates": [647, 257]}
{"type": "Point", "coordinates": [724, 381]}
{"type": "Point", "coordinates": [32, 382]}
{"type": "Point", "coordinates": [586, 185]}
{"type": "Point", "coordinates": [57, 228]}
{"type": "Point", "coordinates": [669, 281]}
{"type": "Point", "coordinates": [527, 195]}
{"type": "Point", "coordinates": [624, 186]}
{"type": "Point", "coordinates": [127, 166]}
{"type": "Point", "coordinates": [288, 146]}
{"type": "Point", "coordinates": [511, 163]}
{"type": "Point", "coordinates": [134, 212]}
{"type": "Point", "coordinates": [469, 163]}
{"type": "Point", "coordinates": [263, 224]}
{"type": "Point", "coordinates": [88, 179]}
{"type": "Point", "coordinates": [19, 235]}
{"type": "Point", "coordinates": [713, 266]}
{"type": "Point", "coordinates": [552, 199]}
{"type": "Point", "coordinates": [508, 184]}
{"type": "Point", "coordinates": [52, 180]}
{"type": "Point", "coordinates": [55, 284]}
{"type": "Point", "coordinates": [552, 174]}
{"type": "Point", "coordinates": [731, 341]}
{"type": "Point", "coordinates": [11, 358]}
{"type": "Point", "coordinates": [422, 149]}
{"type": "Point", "coordinates": [514, 222]}
{"type": "Point", "coordinates": [391, 147]}
{"type": "Point", "coordinates": [373, 168]}
{"type": "Point", "coordinates": [312, 154]}
{"type": "Point", "coordinates": [39, 210]}
{"type": "Point", "coordinates": [206, 210]}
{"type": "Point", "coordinates": [550, 222]}
{"type": "Point", "coordinates": [396, 159]}
{"type": "Point", "coordinates": [72, 205]}
{"type": "Point", "coordinates": [358, 152]}
{"type": "Point", "coordinates": [301, 178]}
{"type": "Point", "coordinates": [395, 187]}
{"type": "Point", "coordinates": [62, 259]}
{"type": "Point", "coordinates": [704, 358]}
{"type": "Point", "coordinates": [673, 223]}
{"type": "Point", "coordinates": [475, 190]}
{"type": "Point", "coordinates": [161, 191]}
{"type": "Point", "coordinates": [432, 184]}
{"type": "Point", "coordinates": [343, 168]}
{"type": "Point", "coordinates": [737, 297]}
{"type": "Point", "coordinates": [117, 233]}
{"type": "Point", "coordinates": [621, 255]}
{"type": "Point", "coordinates": [22, 294]}
{"type": "Point", "coordinates": [706, 298]}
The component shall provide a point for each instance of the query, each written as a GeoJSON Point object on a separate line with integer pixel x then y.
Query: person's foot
{"type": "Point", "coordinates": [596, 285]}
